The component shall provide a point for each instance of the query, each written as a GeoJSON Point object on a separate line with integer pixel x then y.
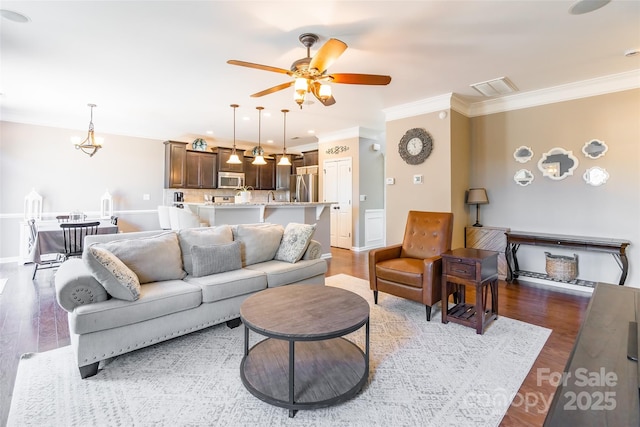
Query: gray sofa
{"type": "Point", "coordinates": [110, 313]}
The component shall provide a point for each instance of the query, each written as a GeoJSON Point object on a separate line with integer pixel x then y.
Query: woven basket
{"type": "Point", "coordinates": [562, 267]}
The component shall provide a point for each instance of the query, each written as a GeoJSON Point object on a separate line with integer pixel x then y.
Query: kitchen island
{"type": "Point", "coordinates": [273, 212]}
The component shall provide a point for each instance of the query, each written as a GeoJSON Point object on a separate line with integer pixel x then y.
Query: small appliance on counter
{"type": "Point", "coordinates": [178, 199]}
{"type": "Point", "coordinates": [223, 199]}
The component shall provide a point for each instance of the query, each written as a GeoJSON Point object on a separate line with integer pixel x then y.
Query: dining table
{"type": "Point", "coordinates": [49, 238]}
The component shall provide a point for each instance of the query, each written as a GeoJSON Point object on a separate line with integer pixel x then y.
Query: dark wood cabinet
{"type": "Point", "coordinates": [282, 175]}
{"type": "Point", "coordinates": [310, 158]}
{"type": "Point", "coordinates": [175, 164]}
{"type": "Point", "coordinates": [223, 156]}
{"type": "Point", "coordinates": [201, 169]}
{"type": "Point", "coordinates": [297, 162]}
{"type": "Point", "coordinates": [260, 177]}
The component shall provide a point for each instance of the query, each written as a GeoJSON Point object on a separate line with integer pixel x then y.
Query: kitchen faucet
{"type": "Point", "coordinates": [273, 196]}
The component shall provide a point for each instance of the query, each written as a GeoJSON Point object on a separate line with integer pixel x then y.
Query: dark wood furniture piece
{"type": "Point", "coordinates": [413, 269]}
{"type": "Point", "coordinates": [261, 177]}
{"type": "Point", "coordinates": [615, 247]}
{"type": "Point", "coordinates": [305, 362]}
{"type": "Point", "coordinates": [600, 385]}
{"type": "Point", "coordinates": [201, 170]}
{"type": "Point", "coordinates": [73, 234]}
{"type": "Point", "coordinates": [491, 239]}
{"type": "Point", "coordinates": [282, 174]}
{"type": "Point", "coordinates": [470, 267]}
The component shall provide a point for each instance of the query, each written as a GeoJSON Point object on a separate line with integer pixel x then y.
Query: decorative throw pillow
{"type": "Point", "coordinates": [295, 240]}
{"type": "Point", "coordinates": [203, 236]}
{"type": "Point", "coordinates": [153, 259]}
{"type": "Point", "coordinates": [258, 243]}
{"type": "Point", "coordinates": [116, 278]}
{"type": "Point", "coordinates": [215, 259]}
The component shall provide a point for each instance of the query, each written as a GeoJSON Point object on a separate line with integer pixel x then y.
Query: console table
{"type": "Point", "coordinates": [591, 244]}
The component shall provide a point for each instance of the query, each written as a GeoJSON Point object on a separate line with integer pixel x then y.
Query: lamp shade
{"type": "Point", "coordinates": [477, 196]}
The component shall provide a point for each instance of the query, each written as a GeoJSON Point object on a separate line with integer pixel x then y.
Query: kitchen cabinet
{"type": "Point", "coordinates": [201, 169]}
{"type": "Point", "coordinates": [282, 175]}
{"type": "Point", "coordinates": [310, 158]}
{"type": "Point", "coordinates": [297, 162]}
{"type": "Point", "coordinates": [260, 177]}
{"type": "Point", "coordinates": [223, 156]}
{"type": "Point", "coordinates": [175, 164]}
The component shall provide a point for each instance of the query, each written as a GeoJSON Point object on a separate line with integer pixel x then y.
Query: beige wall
{"type": "Point", "coordinates": [569, 206]}
{"type": "Point", "coordinates": [44, 159]}
{"type": "Point", "coordinates": [445, 177]}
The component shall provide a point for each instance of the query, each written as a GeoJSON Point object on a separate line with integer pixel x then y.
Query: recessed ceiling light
{"type": "Point", "coordinates": [209, 132]}
{"type": "Point", "coordinates": [14, 16]}
{"type": "Point", "coordinates": [311, 131]}
{"type": "Point", "coordinates": [269, 141]}
{"type": "Point", "coordinates": [586, 6]}
{"type": "Point", "coordinates": [246, 118]}
{"type": "Point", "coordinates": [266, 114]}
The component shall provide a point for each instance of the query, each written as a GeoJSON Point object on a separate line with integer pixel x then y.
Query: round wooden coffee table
{"type": "Point", "coordinates": [305, 362]}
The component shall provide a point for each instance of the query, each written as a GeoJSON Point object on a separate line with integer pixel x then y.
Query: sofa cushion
{"type": "Point", "coordinates": [283, 273]}
{"type": "Point", "coordinates": [118, 279]}
{"type": "Point", "coordinates": [295, 240]}
{"type": "Point", "coordinates": [259, 243]}
{"type": "Point", "coordinates": [229, 284]}
{"type": "Point", "coordinates": [153, 259]}
{"type": "Point", "coordinates": [204, 236]}
{"type": "Point", "coordinates": [156, 299]}
{"type": "Point", "coordinates": [215, 258]}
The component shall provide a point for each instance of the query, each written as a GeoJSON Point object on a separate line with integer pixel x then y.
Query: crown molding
{"type": "Point", "coordinates": [576, 90]}
{"type": "Point", "coordinates": [354, 132]}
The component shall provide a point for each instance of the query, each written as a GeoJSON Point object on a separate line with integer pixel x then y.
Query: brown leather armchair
{"type": "Point", "coordinates": [413, 269]}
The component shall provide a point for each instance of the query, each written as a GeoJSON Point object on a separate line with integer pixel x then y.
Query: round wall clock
{"type": "Point", "coordinates": [415, 146]}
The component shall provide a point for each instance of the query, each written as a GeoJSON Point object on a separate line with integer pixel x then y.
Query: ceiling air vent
{"type": "Point", "coordinates": [495, 87]}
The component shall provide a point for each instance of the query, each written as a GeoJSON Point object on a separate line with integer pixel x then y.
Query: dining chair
{"type": "Point", "coordinates": [74, 234]}
{"type": "Point", "coordinates": [46, 260]}
{"type": "Point", "coordinates": [114, 220]}
{"type": "Point", "coordinates": [163, 217]}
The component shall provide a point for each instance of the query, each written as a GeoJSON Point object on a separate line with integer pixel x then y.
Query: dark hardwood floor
{"type": "Point", "coordinates": [32, 321]}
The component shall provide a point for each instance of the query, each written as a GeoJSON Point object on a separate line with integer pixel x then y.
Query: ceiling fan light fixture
{"type": "Point", "coordinates": [324, 92]}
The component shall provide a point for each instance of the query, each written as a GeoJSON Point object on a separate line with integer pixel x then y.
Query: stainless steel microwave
{"type": "Point", "coordinates": [230, 179]}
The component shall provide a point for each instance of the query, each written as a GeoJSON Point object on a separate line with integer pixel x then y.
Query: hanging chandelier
{"type": "Point", "coordinates": [284, 160]}
{"type": "Point", "coordinates": [258, 151]}
{"type": "Point", "coordinates": [234, 159]}
{"type": "Point", "coordinates": [91, 144]}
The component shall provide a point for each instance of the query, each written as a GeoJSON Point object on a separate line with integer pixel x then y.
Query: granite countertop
{"type": "Point", "coordinates": [261, 204]}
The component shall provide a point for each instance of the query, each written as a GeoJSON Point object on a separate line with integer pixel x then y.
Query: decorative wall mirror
{"type": "Point", "coordinates": [523, 177]}
{"type": "Point", "coordinates": [523, 154]}
{"type": "Point", "coordinates": [557, 163]}
{"type": "Point", "coordinates": [596, 176]}
{"type": "Point", "coordinates": [594, 149]}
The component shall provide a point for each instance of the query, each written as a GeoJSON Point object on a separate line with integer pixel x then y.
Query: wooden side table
{"type": "Point", "coordinates": [470, 267]}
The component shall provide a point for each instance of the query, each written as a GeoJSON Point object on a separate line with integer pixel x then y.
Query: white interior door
{"type": "Point", "coordinates": [338, 180]}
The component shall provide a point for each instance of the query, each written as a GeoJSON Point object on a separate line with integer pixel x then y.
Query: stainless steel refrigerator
{"type": "Point", "coordinates": [303, 188]}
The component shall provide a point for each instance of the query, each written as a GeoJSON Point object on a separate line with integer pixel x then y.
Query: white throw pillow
{"type": "Point", "coordinates": [116, 278]}
{"type": "Point", "coordinates": [215, 259]}
{"type": "Point", "coordinates": [295, 241]}
{"type": "Point", "coordinates": [259, 243]}
{"type": "Point", "coordinates": [203, 236]}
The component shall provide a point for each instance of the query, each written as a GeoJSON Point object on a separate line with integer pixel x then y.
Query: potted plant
{"type": "Point", "coordinates": [244, 194]}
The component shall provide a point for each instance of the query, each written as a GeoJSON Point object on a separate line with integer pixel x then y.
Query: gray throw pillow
{"type": "Point", "coordinates": [215, 259]}
{"type": "Point", "coordinates": [259, 243]}
{"type": "Point", "coordinates": [153, 259]}
{"type": "Point", "coordinates": [116, 278]}
{"type": "Point", "coordinates": [203, 236]}
{"type": "Point", "coordinates": [295, 240]}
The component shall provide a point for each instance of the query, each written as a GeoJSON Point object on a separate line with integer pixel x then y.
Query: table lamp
{"type": "Point", "coordinates": [477, 196]}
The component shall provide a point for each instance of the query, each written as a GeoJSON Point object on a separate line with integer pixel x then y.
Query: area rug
{"type": "Point", "coordinates": [422, 374]}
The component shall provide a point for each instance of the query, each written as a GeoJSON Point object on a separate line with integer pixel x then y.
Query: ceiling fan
{"type": "Point", "coordinates": [310, 74]}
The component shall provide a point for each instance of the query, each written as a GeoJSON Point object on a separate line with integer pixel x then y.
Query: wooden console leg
{"type": "Point", "coordinates": [234, 323]}
{"type": "Point", "coordinates": [88, 370]}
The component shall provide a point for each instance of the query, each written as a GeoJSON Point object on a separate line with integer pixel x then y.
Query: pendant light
{"type": "Point", "coordinates": [259, 151]}
{"type": "Point", "coordinates": [234, 159]}
{"type": "Point", "coordinates": [91, 144]}
{"type": "Point", "coordinates": [284, 160]}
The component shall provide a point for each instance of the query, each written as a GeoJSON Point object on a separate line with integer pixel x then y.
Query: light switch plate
{"type": "Point", "coordinates": [391, 181]}
{"type": "Point", "coordinates": [418, 179]}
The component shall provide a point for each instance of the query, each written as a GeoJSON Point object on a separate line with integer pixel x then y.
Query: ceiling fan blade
{"type": "Point", "coordinates": [272, 89]}
{"type": "Point", "coordinates": [258, 66]}
{"type": "Point", "coordinates": [315, 89]}
{"type": "Point", "coordinates": [327, 54]}
{"type": "Point", "coordinates": [360, 79]}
